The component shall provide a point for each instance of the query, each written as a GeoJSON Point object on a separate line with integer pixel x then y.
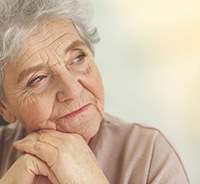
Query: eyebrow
{"type": "Point", "coordinates": [29, 70]}
{"type": "Point", "coordinates": [75, 44]}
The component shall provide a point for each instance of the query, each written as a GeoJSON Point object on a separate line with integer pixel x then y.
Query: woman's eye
{"type": "Point", "coordinates": [78, 58]}
{"type": "Point", "coordinates": [37, 79]}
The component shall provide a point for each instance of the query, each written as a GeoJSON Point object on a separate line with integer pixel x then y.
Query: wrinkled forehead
{"type": "Point", "coordinates": [48, 33]}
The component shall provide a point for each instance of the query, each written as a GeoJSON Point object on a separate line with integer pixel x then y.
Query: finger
{"type": "Point", "coordinates": [58, 139]}
{"type": "Point", "coordinates": [59, 135]}
{"type": "Point", "coordinates": [43, 151]}
{"type": "Point", "coordinates": [40, 168]}
{"type": "Point", "coordinates": [52, 137]}
{"type": "Point", "coordinates": [41, 137]}
{"type": "Point", "coordinates": [53, 133]}
{"type": "Point", "coordinates": [26, 169]}
{"type": "Point", "coordinates": [42, 180]}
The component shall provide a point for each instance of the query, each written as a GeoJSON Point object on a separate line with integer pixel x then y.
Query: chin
{"type": "Point", "coordinates": [86, 129]}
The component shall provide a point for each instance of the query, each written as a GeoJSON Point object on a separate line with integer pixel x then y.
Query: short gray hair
{"type": "Point", "coordinates": [18, 18]}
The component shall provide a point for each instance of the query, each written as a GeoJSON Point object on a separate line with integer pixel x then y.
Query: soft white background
{"type": "Point", "coordinates": [149, 57]}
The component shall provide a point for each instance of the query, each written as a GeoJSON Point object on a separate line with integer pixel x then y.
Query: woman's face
{"type": "Point", "coordinates": [55, 83]}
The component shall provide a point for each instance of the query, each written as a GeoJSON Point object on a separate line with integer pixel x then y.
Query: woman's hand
{"type": "Point", "coordinates": [63, 158]}
{"type": "Point", "coordinates": [29, 169]}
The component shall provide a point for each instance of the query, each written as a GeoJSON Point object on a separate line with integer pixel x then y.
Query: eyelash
{"type": "Point", "coordinates": [35, 80]}
{"type": "Point", "coordinates": [39, 78]}
{"type": "Point", "coordinates": [79, 57]}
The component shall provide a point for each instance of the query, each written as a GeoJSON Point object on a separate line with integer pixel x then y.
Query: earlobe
{"type": "Point", "coordinates": [6, 114]}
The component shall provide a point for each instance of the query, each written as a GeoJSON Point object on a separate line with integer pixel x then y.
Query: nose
{"type": "Point", "coordinates": [69, 88]}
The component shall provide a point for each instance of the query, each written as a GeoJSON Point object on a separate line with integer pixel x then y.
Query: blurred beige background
{"type": "Point", "coordinates": [149, 57]}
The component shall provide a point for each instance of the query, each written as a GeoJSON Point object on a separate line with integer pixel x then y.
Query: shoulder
{"type": "Point", "coordinates": [144, 149]}
{"type": "Point", "coordinates": [129, 131]}
{"type": "Point", "coordinates": [137, 137]}
{"type": "Point", "coordinates": [132, 138]}
{"type": "Point", "coordinates": [8, 155]}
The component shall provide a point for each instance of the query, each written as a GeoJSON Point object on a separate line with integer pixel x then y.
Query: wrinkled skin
{"type": "Point", "coordinates": [55, 90]}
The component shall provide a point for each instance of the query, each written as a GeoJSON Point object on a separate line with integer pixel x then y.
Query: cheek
{"type": "Point", "coordinates": [94, 83]}
{"type": "Point", "coordinates": [35, 114]}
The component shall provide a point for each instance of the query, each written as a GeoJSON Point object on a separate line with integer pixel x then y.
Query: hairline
{"type": "Point", "coordinates": [86, 33]}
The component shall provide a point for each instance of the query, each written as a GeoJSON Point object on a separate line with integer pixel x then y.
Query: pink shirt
{"type": "Point", "coordinates": [127, 153]}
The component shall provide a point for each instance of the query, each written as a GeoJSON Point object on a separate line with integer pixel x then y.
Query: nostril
{"type": "Point", "coordinates": [60, 97]}
{"type": "Point", "coordinates": [69, 91]}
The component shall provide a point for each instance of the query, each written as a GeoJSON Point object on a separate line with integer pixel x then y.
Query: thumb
{"type": "Point", "coordinates": [42, 180]}
{"type": "Point", "coordinates": [37, 167]}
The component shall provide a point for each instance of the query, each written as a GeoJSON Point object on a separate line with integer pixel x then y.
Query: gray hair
{"type": "Point", "coordinates": [18, 18]}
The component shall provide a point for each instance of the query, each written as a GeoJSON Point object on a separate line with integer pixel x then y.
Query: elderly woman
{"type": "Point", "coordinates": [52, 96]}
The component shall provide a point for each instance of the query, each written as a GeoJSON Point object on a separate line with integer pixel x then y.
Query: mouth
{"type": "Point", "coordinates": [76, 112]}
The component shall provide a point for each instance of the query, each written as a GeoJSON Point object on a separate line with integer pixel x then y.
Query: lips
{"type": "Point", "coordinates": [76, 112]}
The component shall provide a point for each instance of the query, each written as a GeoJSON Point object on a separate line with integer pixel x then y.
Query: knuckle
{"type": "Point", "coordinates": [73, 137]}
{"type": "Point", "coordinates": [26, 160]}
{"type": "Point", "coordinates": [42, 136]}
{"type": "Point", "coordinates": [25, 157]}
{"type": "Point", "coordinates": [37, 145]}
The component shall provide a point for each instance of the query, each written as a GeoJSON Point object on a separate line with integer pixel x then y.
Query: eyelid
{"type": "Point", "coordinates": [80, 56]}
{"type": "Point", "coordinates": [33, 81]}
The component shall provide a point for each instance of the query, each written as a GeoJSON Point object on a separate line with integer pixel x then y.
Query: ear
{"type": "Point", "coordinates": [6, 114]}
